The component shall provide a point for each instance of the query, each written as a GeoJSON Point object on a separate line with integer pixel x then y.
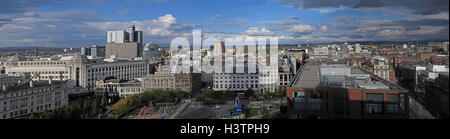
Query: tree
{"type": "Point", "coordinates": [97, 105]}
{"type": "Point", "coordinates": [104, 102]}
{"type": "Point", "coordinates": [138, 100]}
{"type": "Point", "coordinates": [179, 94]}
{"type": "Point", "coordinates": [32, 116]}
{"type": "Point", "coordinates": [115, 98]}
{"type": "Point", "coordinates": [249, 93]}
{"type": "Point", "coordinates": [279, 92]}
{"type": "Point", "coordinates": [261, 113]}
{"type": "Point", "coordinates": [229, 94]}
{"type": "Point", "coordinates": [208, 94]}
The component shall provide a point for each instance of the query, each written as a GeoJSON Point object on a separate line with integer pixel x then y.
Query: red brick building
{"type": "Point", "coordinates": [424, 56]}
{"type": "Point", "coordinates": [309, 98]}
{"type": "Point", "coordinates": [439, 60]}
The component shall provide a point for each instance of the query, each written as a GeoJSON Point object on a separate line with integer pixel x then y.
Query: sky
{"type": "Point", "coordinates": [76, 23]}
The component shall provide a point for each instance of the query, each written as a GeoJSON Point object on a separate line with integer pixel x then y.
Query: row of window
{"type": "Point", "coordinates": [25, 111]}
{"type": "Point", "coordinates": [241, 86]}
{"type": "Point", "coordinates": [239, 77]}
{"type": "Point", "coordinates": [236, 81]}
{"type": "Point", "coordinates": [30, 91]}
{"type": "Point", "coordinates": [377, 108]}
{"type": "Point", "coordinates": [142, 67]}
{"type": "Point", "coordinates": [40, 63]}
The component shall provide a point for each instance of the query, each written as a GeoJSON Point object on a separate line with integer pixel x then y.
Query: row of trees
{"type": "Point", "coordinates": [81, 108]}
{"type": "Point", "coordinates": [249, 93]}
{"type": "Point", "coordinates": [210, 94]}
{"type": "Point", "coordinates": [279, 92]}
{"type": "Point", "coordinates": [132, 102]}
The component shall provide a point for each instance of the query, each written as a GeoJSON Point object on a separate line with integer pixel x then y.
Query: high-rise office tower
{"type": "Point", "coordinates": [135, 36]}
{"type": "Point", "coordinates": [124, 44]}
{"type": "Point", "coordinates": [138, 37]}
{"type": "Point", "coordinates": [98, 51]}
{"type": "Point", "coordinates": [130, 31]}
{"type": "Point", "coordinates": [118, 36]}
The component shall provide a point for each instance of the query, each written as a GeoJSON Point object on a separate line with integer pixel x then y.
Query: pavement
{"type": "Point", "coordinates": [417, 111]}
{"type": "Point", "coordinates": [179, 111]}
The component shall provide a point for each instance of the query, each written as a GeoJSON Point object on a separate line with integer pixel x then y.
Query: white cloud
{"type": "Point", "coordinates": [76, 28]}
{"type": "Point", "coordinates": [164, 26]}
{"type": "Point", "coordinates": [324, 11]}
{"type": "Point", "coordinates": [12, 27]}
{"type": "Point", "coordinates": [390, 32]}
{"type": "Point", "coordinates": [302, 29]}
{"type": "Point", "coordinates": [26, 40]}
{"type": "Point", "coordinates": [401, 32]}
{"type": "Point", "coordinates": [324, 28]}
{"type": "Point", "coordinates": [254, 31]}
{"type": "Point", "coordinates": [427, 30]}
{"type": "Point", "coordinates": [122, 12]}
{"type": "Point", "coordinates": [327, 10]}
{"type": "Point", "coordinates": [52, 26]}
{"type": "Point", "coordinates": [442, 15]}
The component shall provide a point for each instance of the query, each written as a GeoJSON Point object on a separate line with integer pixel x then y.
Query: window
{"type": "Point", "coordinates": [374, 108]}
{"type": "Point", "coordinates": [392, 108]}
{"type": "Point", "coordinates": [393, 98]}
{"type": "Point", "coordinates": [299, 96]}
{"type": "Point", "coordinates": [374, 104]}
{"type": "Point", "coordinates": [374, 97]}
{"type": "Point", "coordinates": [393, 101]}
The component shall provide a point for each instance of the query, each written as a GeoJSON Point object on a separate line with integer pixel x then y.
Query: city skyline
{"type": "Point", "coordinates": [63, 24]}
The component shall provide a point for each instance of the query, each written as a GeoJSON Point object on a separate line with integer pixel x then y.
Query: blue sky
{"type": "Point", "coordinates": [74, 23]}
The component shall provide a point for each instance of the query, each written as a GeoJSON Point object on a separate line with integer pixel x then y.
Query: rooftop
{"type": "Point", "coordinates": [371, 84]}
{"type": "Point", "coordinates": [309, 77]}
{"type": "Point", "coordinates": [26, 85]}
{"type": "Point", "coordinates": [357, 71]}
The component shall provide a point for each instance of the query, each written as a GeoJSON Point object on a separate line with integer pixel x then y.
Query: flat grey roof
{"type": "Point", "coordinates": [309, 77]}
{"type": "Point", "coordinates": [357, 71]}
{"type": "Point", "coordinates": [371, 84]}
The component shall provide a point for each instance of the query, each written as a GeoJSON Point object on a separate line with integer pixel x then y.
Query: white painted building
{"type": "Point", "coordinates": [235, 82]}
{"type": "Point", "coordinates": [380, 67]}
{"type": "Point", "coordinates": [81, 72]}
{"type": "Point", "coordinates": [357, 48]}
{"type": "Point", "coordinates": [262, 81]}
{"type": "Point", "coordinates": [12, 80]}
{"type": "Point", "coordinates": [32, 97]}
{"type": "Point", "coordinates": [320, 53]}
{"type": "Point", "coordinates": [437, 68]}
{"type": "Point", "coordinates": [123, 88]}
